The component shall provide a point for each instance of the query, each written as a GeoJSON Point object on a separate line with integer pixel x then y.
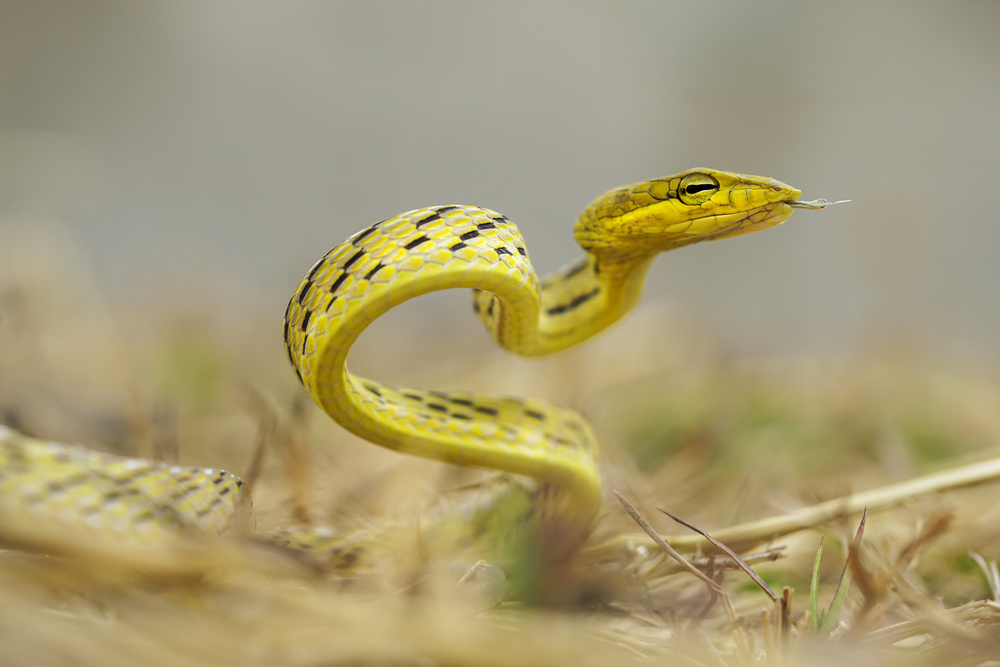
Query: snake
{"type": "Point", "coordinates": [550, 450]}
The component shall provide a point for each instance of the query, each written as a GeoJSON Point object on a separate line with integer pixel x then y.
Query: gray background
{"type": "Point", "coordinates": [212, 151]}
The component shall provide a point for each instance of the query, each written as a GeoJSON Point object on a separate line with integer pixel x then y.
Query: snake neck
{"type": "Point", "coordinates": [622, 232]}
{"type": "Point", "coordinates": [587, 296]}
{"type": "Point", "coordinates": [573, 304]}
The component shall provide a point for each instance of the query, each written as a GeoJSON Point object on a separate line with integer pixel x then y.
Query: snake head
{"type": "Point", "coordinates": [692, 206]}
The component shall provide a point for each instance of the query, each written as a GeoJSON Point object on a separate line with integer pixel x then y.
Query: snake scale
{"type": "Point", "coordinates": [397, 259]}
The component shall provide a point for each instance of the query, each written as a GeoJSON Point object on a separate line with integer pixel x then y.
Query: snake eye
{"type": "Point", "coordinates": [697, 189]}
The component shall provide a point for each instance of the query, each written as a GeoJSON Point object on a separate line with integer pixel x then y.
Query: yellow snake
{"type": "Point", "coordinates": [400, 258]}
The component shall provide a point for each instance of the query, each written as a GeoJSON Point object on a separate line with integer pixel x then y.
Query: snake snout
{"type": "Point", "coordinates": [782, 192]}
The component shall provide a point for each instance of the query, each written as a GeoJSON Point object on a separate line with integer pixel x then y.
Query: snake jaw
{"type": "Point", "coordinates": [758, 220]}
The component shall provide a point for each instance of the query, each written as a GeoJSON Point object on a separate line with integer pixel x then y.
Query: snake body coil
{"type": "Point", "coordinates": [446, 247]}
{"type": "Point", "coordinates": [396, 260]}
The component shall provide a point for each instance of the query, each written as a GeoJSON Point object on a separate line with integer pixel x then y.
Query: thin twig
{"type": "Point", "coordinates": [786, 611]}
{"type": "Point", "coordinates": [729, 552]}
{"type": "Point", "coordinates": [768, 556]}
{"type": "Point", "coordinates": [634, 513]}
{"type": "Point", "coordinates": [755, 532]}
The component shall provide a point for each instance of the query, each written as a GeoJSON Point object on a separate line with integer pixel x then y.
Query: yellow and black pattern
{"type": "Point", "coordinates": [133, 500]}
{"type": "Point", "coordinates": [399, 259]}
{"type": "Point", "coordinates": [395, 260]}
{"type": "Point", "coordinates": [447, 247]}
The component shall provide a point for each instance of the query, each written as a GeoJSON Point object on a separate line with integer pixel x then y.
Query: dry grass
{"type": "Point", "coordinates": [717, 440]}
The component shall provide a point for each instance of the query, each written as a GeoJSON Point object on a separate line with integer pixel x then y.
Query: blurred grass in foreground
{"type": "Point", "coordinates": [712, 437]}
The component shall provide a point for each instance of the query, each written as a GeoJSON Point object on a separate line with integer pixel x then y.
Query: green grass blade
{"type": "Point", "coordinates": [814, 612]}
{"type": "Point", "coordinates": [838, 599]}
{"type": "Point", "coordinates": [845, 581]}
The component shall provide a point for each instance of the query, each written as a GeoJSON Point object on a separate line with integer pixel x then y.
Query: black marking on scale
{"type": "Point", "coordinates": [362, 235]}
{"type": "Point", "coordinates": [312, 274]}
{"type": "Point", "coordinates": [338, 282]}
{"type": "Point", "coordinates": [575, 303]}
{"type": "Point", "coordinates": [355, 257]}
{"type": "Point", "coordinates": [431, 218]}
{"type": "Point", "coordinates": [305, 288]}
{"type": "Point", "coordinates": [415, 242]}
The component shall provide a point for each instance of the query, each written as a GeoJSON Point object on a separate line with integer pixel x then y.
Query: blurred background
{"type": "Point", "coordinates": [170, 170]}
{"type": "Point", "coordinates": [210, 152]}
